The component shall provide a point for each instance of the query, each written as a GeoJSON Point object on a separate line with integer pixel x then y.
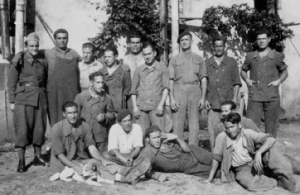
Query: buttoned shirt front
{"type": "Point", "coordinates": [85, 70]}
{"type": "Point", "coordinates": [133, 62]}
{"type": "Point", "coordinates": [148, 84]}
{"type": "Point", "coordinates": [125, 142]}
{"type": "Point", "coordinates": [263, 71]}
{"type": "Point", "coordinates": [187, 67]}
{"type": "Point", "coordinates": [221, 80]}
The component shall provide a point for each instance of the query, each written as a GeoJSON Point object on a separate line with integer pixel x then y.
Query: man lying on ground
{"type": "Point", "coordinates": [251, 158]}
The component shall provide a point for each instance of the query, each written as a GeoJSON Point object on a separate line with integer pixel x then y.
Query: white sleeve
{"type": "Point", "coordinates": [113, 138]}
{"type": "Point", "coordinates": [138, 141]}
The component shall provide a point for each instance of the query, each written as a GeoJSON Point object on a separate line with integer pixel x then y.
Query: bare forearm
{"type": "Point", "coordinates": [65, 161]}
{"type": "Point", "coordinates": [236, 90]}
{"type": "Point", "coordinates": [172, 89]}
{"type": "Point", "coordinates": [283, 76]}
{"type": "Point", "coordinates": [95, 153]}
{"type": "Point", "coordinates": [204, 87]}
{"type": "Point", "coordinates": [183, 145]}
{"type": "Point", "coordinates": [269, 142]}
{"type": "Point", "coordinates": [244, 75]}
{"type": "Point", "coordinates": [213, 170]}
{"type": "Point", "coordinates": [133, 97]}
{"type": "Point", "coordinates": [118, 154]}
{"type": "Point", "coordinates": [164, 97]}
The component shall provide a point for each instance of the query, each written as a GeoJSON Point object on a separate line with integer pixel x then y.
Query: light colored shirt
{"type": "Point", "coordinates": [85, 70]}
{"type": "Point", "coordinates": [125, 142]}
{"type": "Point", "coordinates": [133, 62]}
{"type": "Point", "coordinates": [240, 154]}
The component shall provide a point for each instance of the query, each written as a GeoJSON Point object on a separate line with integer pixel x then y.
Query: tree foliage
{"type": "Point", "coordinates": [128, 16]}
{"type": "Point", "coordinates": [239, 24]}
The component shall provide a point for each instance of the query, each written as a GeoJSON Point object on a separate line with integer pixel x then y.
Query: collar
{"type": "Point", "coordinates": [242, 136]}
{"type": "Point", "coordinates": [62, 51]}
{"type": "Point", "coordinates": [211, 61]}
{"type": "Point", "coordinates": [31, 59]}
{"type": "Point", "coordinates": [67, 127]}
{"type": "Point", "coordinates": [93, 63]}
{"type": "Point", "coordinates": [269, 55]}
{"type": "Point", "coordinates": [155, 65]}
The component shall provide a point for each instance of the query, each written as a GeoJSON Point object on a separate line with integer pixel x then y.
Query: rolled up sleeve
{"type": "Point", "coordinates": [281, 66]}
{"type": "Point", "coordinates": [218, 149]}
{"type": "Point", "coordinates": [202, 69]}
{"type": "Point", "coordinates": [112, 139]}
{"type": "Point", "coordinates": [135, 82]}
{"type": "Point", "coordinates": [138, 142]}
{"type": "Point", "coordinates": [166, 78]}
{"type": "Point", "coordinates": [171, 70]}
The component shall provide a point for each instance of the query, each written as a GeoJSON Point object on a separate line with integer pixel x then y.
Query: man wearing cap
{"type": "Point", "coordinates": [63, 75]}
{"type": "Point", "coordinates": [27, 96]}
{"type": "Point", "coordinates": [88, 65]}
{"type": "Point", "coordinates": [224, 83]}
{"type": "Point", "coordinates": [187, 71]}
{"type": "Point", "coordinates": [125, 140]}
{"type": "Point", "coordinates": [168, 153]}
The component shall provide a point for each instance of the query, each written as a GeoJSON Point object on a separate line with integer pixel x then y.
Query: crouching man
{"type": "Point", "coordinates": [73, 145]}
{"type": "Point", "coordinates": [251, 158]}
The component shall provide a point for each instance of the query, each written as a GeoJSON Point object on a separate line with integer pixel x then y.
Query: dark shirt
{"type": "Point", "coordinates": [73, 142]}
{"type": "Point", "coordinates": [27, 69]}
{"type": "Point", "coordinates": [89, 107]}
{"type": "Point", "coordinates": [263, 71]}
{"type": "Point", "coordinates": [148, 84]}
{"type": "Point", "coordinates": [187, 67]}
{"type": "Point", "coordinates": [119, 84]}
{"type": "Point", "coordinates": [221, 80]}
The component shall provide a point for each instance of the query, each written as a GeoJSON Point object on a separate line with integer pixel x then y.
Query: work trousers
{"type": "Point", "coordinates": [148, 118]}
{"type": "Point", "coordinates": [271, 114]}
{"type": "Point", "coordinates": [214, 117]}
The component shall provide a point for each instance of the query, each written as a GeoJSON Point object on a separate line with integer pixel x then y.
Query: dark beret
{"type": "Point", "coordinates": [182, 35]}
{"type": "Point", "coordinates": [151, 129]}
{"type": "Point", "coordinates": [61, 30]}
{"type": "Point", "coordinates": [122, 114]}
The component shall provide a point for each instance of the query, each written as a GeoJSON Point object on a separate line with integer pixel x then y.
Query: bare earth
{"type": "Point", "coordinates": [36, 179]}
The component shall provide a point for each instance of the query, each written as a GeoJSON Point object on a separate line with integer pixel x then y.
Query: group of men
{"type": "Point", "coordinates": [92, 106]}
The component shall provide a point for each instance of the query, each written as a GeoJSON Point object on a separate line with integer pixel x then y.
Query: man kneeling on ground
{"type": "Point", "coordinates": [246, 154]}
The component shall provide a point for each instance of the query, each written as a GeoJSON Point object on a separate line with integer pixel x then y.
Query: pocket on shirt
{"type": "Point", "coordinates": [196, 65]}
{"type": "Point", "coordinates": [179, 66]}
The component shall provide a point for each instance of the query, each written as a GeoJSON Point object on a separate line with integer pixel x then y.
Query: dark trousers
{"type": "Point", "coordinates": [271, 114]}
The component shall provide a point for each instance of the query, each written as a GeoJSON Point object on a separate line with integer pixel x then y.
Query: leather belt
{"type": "Point", "coordinates": [187, 83]}
{"type": "Point", "coordinates": [31, 84]}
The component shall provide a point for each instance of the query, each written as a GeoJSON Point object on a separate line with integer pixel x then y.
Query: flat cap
{"type": "Point", "coordinates": [32, 37]}
{"type": "Point", "coordinates": [182, 35]}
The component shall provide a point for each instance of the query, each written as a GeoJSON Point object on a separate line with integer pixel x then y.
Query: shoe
{"type": "Point", "coordinates": [137, 171]}
{"type": "Point", "coordinates": [39, 161]}
{"type": "Point", "coordinates": [21, 166]}
{"type": "Point", "coordinates": [288, 183]}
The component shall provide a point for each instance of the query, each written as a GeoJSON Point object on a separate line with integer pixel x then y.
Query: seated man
{"type": "Point", "coordinates": [72, 144]}
{"type": "Point", "coordinates": [125, 140]}
{"type": "Point", "coordinates": [96, 109]}
{"type": "Point", "coordinates": [246, 154]}
{"type": "Point", "coordinates": [168, 153]}
{"type": "Point", "coordinates": [229, 107]}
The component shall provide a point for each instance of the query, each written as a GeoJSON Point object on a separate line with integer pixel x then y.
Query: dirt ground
{"type": "Point", "coordinates": [36, 179]}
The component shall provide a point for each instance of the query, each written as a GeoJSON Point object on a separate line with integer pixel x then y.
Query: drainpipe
{"type": "Point", "coordinates": [4, 29]}
{"type": "Point", "coordinates": [163, 34]}
{"type": "Point", "coordinates": [175, 26]}
{"type": "Point", "coordinates": [20, 10]}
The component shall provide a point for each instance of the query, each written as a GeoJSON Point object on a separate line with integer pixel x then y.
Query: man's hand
{"type": "Point", "coordinates": [207, 105]}
{"type": "Point", "coordinates": [129, 162]}
{"type": "Point", "coordinates": [109, 115]}
{"type": "Point", "coordinates": [174, 105]}
{"type": "Point", "coordinates": [249, 82]}
{"type": "Point", "coordinates": [78, 169]}
{"type": "Point", "coordinates": [201, 104]}
{"type": "Point", "coordinates": [257, 162]}
{"type": "Point", "coordinates": [12, 107]}
{"type": "Point", "coordinates": [100, 117]}
{"type": "Point", "coordinates": [159, 110]}
{"type": "Point", "coordinates": [162, 178]}
{"type": "Point", "coordinates": [168, 137]}
{"type": "Point", "coordinates": [136, 112]}
{"type": "Point", "coordinates": [274, 83]}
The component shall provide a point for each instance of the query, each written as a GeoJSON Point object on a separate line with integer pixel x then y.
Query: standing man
{"type": "Point", "coordinates": [125, 140]}
{"type": "Point", "coordinates": [117, 79]}
{"type": "Point", "coordinates": [224, 83]}
{"type": "Point", "coordinates": [96, 108]}
{"type": "Point", "coordinates": [150, 87]}
{"type": "Point", "coordinates": [28, 100]}
{"type": "Point", "coordinates": [267, 72]}
{"type": "Point", "coordinates": [63, 75]}
{"type": "Point", "coordinates": [187, 70]}
{"type": "Point", "coordinates": [88, 65]}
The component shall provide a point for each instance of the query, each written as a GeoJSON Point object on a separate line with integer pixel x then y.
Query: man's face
{"type": "Point", "coordinates": [149, 55]}
{"type": "Point", "coordinates": [225, 109]}
{"type": "Point", "coordinates": [154, 139]}
{"type": "Point", "coordinates": [62, 40]}
{"type": "Point", "coordinates": [263, 41]}
{"type": "Point", "coordinates": [135, 45]}
{"type": "Point", "coordinates": [232, 130]}
{"type": "Point", "coordinates": [71, 114]}
{"type": "Point", "coordinates": [33, 47]}
{"type": "Point", "coordinates": [109, 58]}
{"type": "Point", "coordinates": [126, 124]}
{"type": "Point", "coordinates": [98, 83]}
{"type": "Point", "coordinates": [186, 42]}
{"type": "Point", "coordinates": [87, 54]}
{"type": "Point", "coordinates": [219, 48]}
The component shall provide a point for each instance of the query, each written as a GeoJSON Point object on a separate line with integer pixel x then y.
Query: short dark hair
{"type": "Point", "coordinates": [148, 44]}
{"type": "Point", "coordinates": [61, 30]}
{"type": "Point", "coordinates": [112, 49]}
{"type": "Point", "coordinates": [150, 130]}
{"type": "Point", "coordinates": [89, 45]}
{"type": "Point", "coordinates": [134, 35]}
{"type": "Point", "coordinates": [219, 38]}
{"type": "Point", "coordinates": [68, 104]}
{"type": "Point", "coordinates": [263, 31]}
{"type": "Point", "coordinates": [229, 102]}
{"type": "Point", "coordinates": [95, 74]}
{"type": "Point", "coordinates": [232, 117]}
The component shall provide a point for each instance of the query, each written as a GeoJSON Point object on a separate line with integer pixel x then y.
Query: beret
{"type": "Point", "coordinates": [122, 114]}
{"type": "Point", "coordinates": [32, 37]}
{"type": "Point", "coordinates": [182, 35]}
{"type": "Point", "coordinates": [61, 30]}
